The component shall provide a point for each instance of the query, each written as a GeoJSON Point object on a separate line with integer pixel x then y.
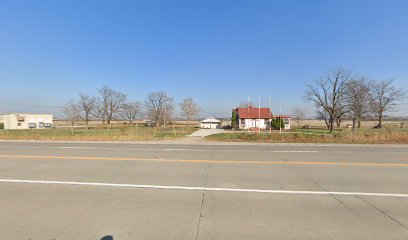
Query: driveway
{"type": "Point", "coordinates": [205, 132]}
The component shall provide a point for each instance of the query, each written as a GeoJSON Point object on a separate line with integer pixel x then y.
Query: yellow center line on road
{"type": "Point", "coordinates": [366, 164]}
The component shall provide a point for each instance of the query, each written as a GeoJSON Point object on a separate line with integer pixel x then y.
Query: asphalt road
{"type": "Point", "coordinates": [169, 191]}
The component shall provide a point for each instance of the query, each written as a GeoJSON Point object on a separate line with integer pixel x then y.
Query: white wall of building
{"type": "Point", "coordinates": [22, 120]}
{"type": "Point", "coordinates": [286, 123]}
{"type": "Point", "coordinates": [260, 123]}
{"type": "Point", "coordinates": [253, 123]}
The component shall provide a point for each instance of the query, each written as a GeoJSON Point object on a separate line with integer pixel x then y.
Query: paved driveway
{"type": "Point", "coordinates": [205, 132]}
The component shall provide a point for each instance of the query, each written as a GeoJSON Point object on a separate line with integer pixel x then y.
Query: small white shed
{"type": "Point", "coordinates": [210, 123]}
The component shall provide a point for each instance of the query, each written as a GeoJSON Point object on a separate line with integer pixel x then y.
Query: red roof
{"type": "Point", "coordinates": [282, 116]}
{"type": "Point", "coordinates": [254, 113]}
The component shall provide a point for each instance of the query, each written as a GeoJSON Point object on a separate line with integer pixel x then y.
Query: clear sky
{"type": "Point", "coordinates": [218, 52]}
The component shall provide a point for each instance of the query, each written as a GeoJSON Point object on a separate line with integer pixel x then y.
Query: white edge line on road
{"type": "Point", "coordinates": [295, 151]}
{"type": "Point", "coordinates": [76, 147]}
{"type": "Point", "coordinates": [119, 185]}
{"type": "Point", "coordinates": [179, 149]}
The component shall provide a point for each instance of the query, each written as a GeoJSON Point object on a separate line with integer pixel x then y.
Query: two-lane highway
{"type": "Point", "coordinates": [186, 191]}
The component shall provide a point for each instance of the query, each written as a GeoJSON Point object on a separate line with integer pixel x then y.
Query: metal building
{"type": "Point", "coordinates": [26, 120]}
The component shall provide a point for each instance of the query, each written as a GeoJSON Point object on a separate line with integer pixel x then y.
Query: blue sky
{"type": "Point", "coordinates": [218, 52]}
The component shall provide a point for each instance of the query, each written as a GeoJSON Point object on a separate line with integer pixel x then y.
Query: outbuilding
{"type": "Point", "coordinates": [210, 123]}
{"type": "Point", "coordinates": [26, 120]}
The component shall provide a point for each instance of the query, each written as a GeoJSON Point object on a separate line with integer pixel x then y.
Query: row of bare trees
{"type": "Point", "coordinates": [338, 95]}
{"type": "Point", "coordinates": [109, 105]}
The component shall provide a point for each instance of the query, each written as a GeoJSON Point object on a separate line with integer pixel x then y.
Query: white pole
{"type": "Point", "coordinates": [270, 125]}
{"type": "Point", "coordinates": [259, 114]}
{"type": "Point", "coordinates": [165, 111]}
{"type": "Point", "coordinates": [248, 127]}
{"type": "Point", "coordinates": [280, 116]}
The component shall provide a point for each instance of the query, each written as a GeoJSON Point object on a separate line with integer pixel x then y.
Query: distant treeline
{"type": "Point", "coordinates": [109, 105]}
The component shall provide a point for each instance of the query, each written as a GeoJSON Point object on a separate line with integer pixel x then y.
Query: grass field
{"type": "Point", "coordinates": [97, 134]}
{"type": "Point", "coordinates": [385, 135]}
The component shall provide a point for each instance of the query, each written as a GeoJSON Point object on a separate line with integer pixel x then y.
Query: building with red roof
{"type": "Point", "coordinates": [250, 117]}
{"type": "Point", "coordinates": [260, 118]}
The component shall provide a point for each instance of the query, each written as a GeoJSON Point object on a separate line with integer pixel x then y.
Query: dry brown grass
{"type": "Point", "coordinates": [97, 134]}
{"type": "Point", "coordinates": [368, 136]}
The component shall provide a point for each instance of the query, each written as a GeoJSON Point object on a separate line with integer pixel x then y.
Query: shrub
{"type": "Point", "coordinates": [275, 123]}
{"type": "Point", "coordinates": [234, 120]}
{"type": "Point", "coordinates": [1, 125]}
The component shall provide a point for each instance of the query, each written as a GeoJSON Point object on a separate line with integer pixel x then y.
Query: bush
{"type": "Point", "coordinates": [1, 125]}
{"type": "Point", "coordinates": [234, 120]}
{"type": "Point", "coordinates": [275, 123]}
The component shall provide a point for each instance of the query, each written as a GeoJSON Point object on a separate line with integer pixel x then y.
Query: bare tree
{"type": "Point", "coordinates": [72, 113]}
{"type": "Point", "coordinates": [341, 114]}
{"type": "Point", "coordinates": [86, 105]}
{"type": "Point", "coordinates": [358, 99]}
{"type": "Point", "coordinates": [328, 93]}
{"type": "Point", "coordinates": [322, 114]}
{"type": "Point", "coordinates": [99, 112]}
{"type": "Point", "coordinates": [298, 115]}
{"type": "Point", "coordinates": [131, 111]}
{"type": "Point", "coordinates": [109, 103]}
{"type": "Point", "coordinates": [247, 104]}
{"type": "Point", "coordinates": [189, 109]}
{"type": "Point", "coordinates": [384, 98]}
{"type": "Point", "coordinates": [159, 107]}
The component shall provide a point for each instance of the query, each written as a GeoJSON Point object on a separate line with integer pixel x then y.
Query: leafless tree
{"type": "Point", "coordinates": [189, 109]}
{"type": "Point", "coordinates": [99, 112]}
{"type": "Point", "coordinates": [86, 105]}
{"type": "Point", "coordinates": [358, 99]}
{"type": "Point", "coordinates": [298, 115]}
{"type": "Point", "coordinates": [247, 104]}
{"type": "Point", "coordinates": [109, 103]}
{"type": "Point", "coordinates": [322, 114]}
{"type": "Point", "coordinates": [159, 107]}
{"type": "Point", "coordinates": [131, 111]}
{"type": "Point", "coordinates": [384, 98]}
{"type": "Point", "coordinates": [328, 93]}
{"type": "Point", "coordinates": [341, 114]}
{"type": "Point", "coordinates": [72, 113]}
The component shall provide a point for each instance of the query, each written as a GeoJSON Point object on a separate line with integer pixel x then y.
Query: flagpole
{"type": "Point", "coordinates": [280, 116]}
{"type": "Point", "coordinates": [248, 127]}
{"type": "Point", "coordinates": [270, 125]}
{"type": "Point", "coordinates": [259, 114]}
